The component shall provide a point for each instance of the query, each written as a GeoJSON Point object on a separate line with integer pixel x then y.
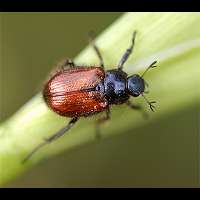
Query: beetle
{"type": "Point", "coordinates": [77, 91]}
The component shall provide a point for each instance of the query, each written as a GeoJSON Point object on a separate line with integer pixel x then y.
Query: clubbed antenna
{"type": "Point", "coordinates": [152, 65]}
{"type": "Point", "coordinates": [152, 107]}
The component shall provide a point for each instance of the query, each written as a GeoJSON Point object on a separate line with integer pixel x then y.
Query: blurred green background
{"type": "Point", "coordinates": [153, 156]}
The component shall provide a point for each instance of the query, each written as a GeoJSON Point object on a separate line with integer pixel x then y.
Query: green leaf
{"type": "Point", "coordinates": [170, 38]}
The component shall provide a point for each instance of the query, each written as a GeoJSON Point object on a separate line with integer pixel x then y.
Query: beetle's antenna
{"type": "Point", "coordinates": [152, 107]}
{"type": "Point", "coordinates": [152, 65]}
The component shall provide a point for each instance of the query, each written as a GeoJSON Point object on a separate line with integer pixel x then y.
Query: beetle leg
{"type": "Point", "coordinates": [66, 63]}
{"type": "Point", "coordinates": [127, 53]}
{"type": "Point", "coordinates": [52, 138]}
{"type": "Point", "coordinates": [137, 107]}
{"type": "Point", "coordinates": [96, 49]}
{"type": "Point", "coordinates": [101, 121]}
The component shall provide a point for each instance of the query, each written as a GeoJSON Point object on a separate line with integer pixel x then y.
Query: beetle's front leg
{"type": "Point", "coordinates": [137, 107]}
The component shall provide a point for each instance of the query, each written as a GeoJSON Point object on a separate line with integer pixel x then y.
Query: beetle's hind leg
{"type": "Point", "coordinates": [101, 121]}
{"type": "Point", "coordinates": [137, 107]}
{"type": "Point", "coordinates": [52, 138]}
{"type": "Point", "coordinates": [66, 64]}
{"type": "Point", "coordinates": [61, 66]}
{"type": "Point", "coordinates": [96, 49]}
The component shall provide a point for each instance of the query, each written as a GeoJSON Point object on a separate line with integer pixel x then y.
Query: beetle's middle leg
{"type": "Point", "coordinates": [96, 49]}
{"type": "Point", "coordinates": [101, 121]}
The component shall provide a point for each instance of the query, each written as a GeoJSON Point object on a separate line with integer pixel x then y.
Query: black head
{"type": "Point", "coordinates": [135, 85]}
